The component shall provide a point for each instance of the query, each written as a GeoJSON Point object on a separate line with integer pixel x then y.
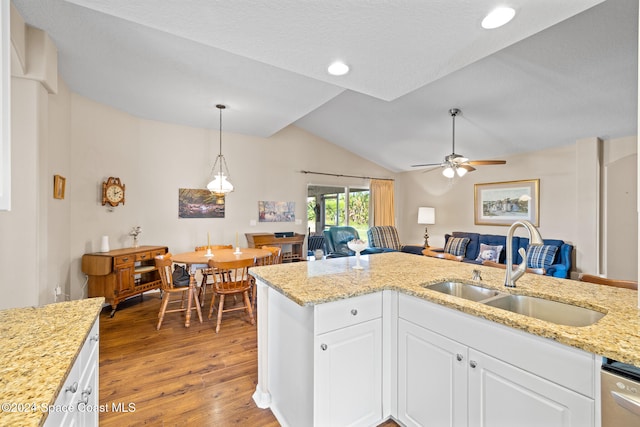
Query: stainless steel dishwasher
{"type": "Point", "coordinates": [620, 384]}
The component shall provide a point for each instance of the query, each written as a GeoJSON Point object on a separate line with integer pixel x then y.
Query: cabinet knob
{"type": "Point", "coordinates": [95, 338]}
{"type": "Point", "coordinates": [323, 347]}
{"type": "Point", "coordinates": [459, 357]}
{"type": "Point", "coordinates": [354, 311]}
{"type": "Point", "coordinates": [473, 363]}
{"type": "Point", "coordinates": [85, 395]}
{"type": "Point", "coordinates": [73, 387]}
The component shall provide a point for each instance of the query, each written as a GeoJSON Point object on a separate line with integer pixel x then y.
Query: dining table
{"type": "Point", "coordinates": [200, 259]}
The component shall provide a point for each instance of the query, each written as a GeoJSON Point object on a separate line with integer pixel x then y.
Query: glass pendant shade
{"type": "Point", "coordinates": [461, 172]}
{"type": "Point", "coordinates": [220, 185]}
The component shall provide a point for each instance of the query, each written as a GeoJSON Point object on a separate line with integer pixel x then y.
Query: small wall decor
{"type": "Point", "coordinates": [277, 211]}
{"type": "Point", "coordinates": [198, 203]}
{"type": "Point", "coordinates": [59, 183]}
{"type": "Point", "coordinates": [502, 203]}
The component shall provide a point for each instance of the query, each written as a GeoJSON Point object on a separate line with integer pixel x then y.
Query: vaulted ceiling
{"type": "Point", "coordinates": [559, 71]}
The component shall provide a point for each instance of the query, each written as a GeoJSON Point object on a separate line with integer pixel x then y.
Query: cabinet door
{"type": "Point", "coordinates": [125, 279]}
{"type": "Point", "coordinates": [432, 378]}
{"type": "Point", "coordinates": [502, 395]}
{"type": "Point", "coordinates": [348, 376]}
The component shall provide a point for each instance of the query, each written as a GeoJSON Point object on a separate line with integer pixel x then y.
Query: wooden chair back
{"type": "Point", "coordinates": [627, 284]}
{"type": "Point", "coordinates": [204, 248]}
{"type": "Point", "coordinates": [275, 257]}
{"type": "Point", "coordinates": [164, 264]}
{"type": "Point", "coordinates": [236, 278]}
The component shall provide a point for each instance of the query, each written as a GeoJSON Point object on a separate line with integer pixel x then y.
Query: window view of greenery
{"type": "Point", "coordinates": [332, 205]}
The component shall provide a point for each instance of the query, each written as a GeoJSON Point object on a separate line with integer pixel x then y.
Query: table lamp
{"type": "Point", "coordinates": [426, 216]}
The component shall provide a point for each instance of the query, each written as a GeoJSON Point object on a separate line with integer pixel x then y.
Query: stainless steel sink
{"type": "Point", "coordinates": [463, 290]}
{"type": "Point", "coordinates": [543, 309]}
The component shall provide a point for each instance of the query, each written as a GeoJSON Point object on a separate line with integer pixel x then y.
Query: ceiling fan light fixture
{"type": "Point", "coordinates": [461, 172]}
{"type": "Point", "coordinates": [448, 172]}
{"type": "Point", "coordinates": [498, 17]}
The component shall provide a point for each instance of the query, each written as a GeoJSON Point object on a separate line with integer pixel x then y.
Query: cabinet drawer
{"type": "Point", "coordinates": [143, 256]}
{"type": "Point", "coordinates": [124, 259]}
{"type": "Point", "coordinates": [157, 252]}
{"type": "Point", "coordinates": [347, 312]}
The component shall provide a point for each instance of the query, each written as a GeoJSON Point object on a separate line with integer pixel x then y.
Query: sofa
{"type": "Point", "coordinates": [556, 263]}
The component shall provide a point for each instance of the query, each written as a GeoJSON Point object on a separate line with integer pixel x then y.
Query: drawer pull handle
{"type": "Point", "coordinates": [459, 357]}
{"type": "Point", "coordinates": [73, 387]}
{"type": "Point", "coordinates": [354, 311]}
{"type": "Point", "coordinates": [125, 259]}
{"type": "Point", "coordinates": [323, 347]}
{"type": "Point", "coordinates": [473, 364]}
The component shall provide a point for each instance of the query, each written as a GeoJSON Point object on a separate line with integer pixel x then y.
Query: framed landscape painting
{"type": "Point", "coordinates": [197, 203]}
{"type": "Point", "coordinates": [503, 203]}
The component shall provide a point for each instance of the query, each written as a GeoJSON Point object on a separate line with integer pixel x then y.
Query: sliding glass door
{"type": "Point", "coordinates": [329, 206]}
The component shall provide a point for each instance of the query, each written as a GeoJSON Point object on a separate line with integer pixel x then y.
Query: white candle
{"type": "Point", "coordinates": [208, 243]}
{"type": "Point", "coordinates": [237, 245]}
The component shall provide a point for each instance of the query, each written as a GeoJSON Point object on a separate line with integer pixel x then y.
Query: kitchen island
{"type": "Point", "coordinates": [44, 351]}
{"type": "Point", "coordinates": [300, 312]}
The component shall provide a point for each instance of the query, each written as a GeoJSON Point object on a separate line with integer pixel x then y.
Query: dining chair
{"type": "Point", "coordinates": [235, 281]}
{"type": "Point", "coordinates": [163, 264]}
{"type": "Point", "coordinates": [628, 284]}
{"type": "Point", "coordinates": [274, 258]}
{"type": "Point", "coordinates": [207, 272]}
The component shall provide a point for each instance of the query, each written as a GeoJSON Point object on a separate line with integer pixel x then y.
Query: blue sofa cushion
{"type": "Point", "coordinates": [541, 256]}
{"type": "Point", "coordinates": [457, 246]}
{"type": "Point", "coordinates": [473, 247]}
{"type": "Point", "coordinates": [489, 253]}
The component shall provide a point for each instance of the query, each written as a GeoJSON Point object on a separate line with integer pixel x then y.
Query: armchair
{"type": "Point", "coordinates": [336, 239]}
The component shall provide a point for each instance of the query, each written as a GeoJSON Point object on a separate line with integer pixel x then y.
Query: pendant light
{"type": "Point", "coordinates": [219, 186]}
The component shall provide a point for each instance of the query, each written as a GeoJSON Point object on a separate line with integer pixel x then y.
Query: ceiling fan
{"type": "Point", "coordinates": [455, 163]}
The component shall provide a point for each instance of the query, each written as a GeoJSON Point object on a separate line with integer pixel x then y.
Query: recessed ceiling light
{"type": "Point", "coordinates": [498, 17]}
{"type": "Point", "coordinates": [338, 68]}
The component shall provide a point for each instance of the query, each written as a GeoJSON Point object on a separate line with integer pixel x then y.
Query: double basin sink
{"type": "Point", "coordinates": [539, 308]}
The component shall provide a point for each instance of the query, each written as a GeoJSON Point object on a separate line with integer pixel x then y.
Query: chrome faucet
{"type": "Point", "coordinates": [534, 239]}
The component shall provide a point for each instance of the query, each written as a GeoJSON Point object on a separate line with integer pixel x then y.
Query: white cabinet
{"type": "Point", "coordinates": [324, 361]}
{"type": "Point", "coordinates": [432, 378]}
{"type": "Point", "coordinates": [77, 402]}
{"type": "Point", "coordinates": [348, 377]}
{"type": "Point", "coordinates": [502, 395]}
{"type": "Point", "coordinates": [450, 382]}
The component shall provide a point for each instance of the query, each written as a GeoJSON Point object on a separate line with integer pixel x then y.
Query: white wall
{"type": "Point", "coordinates": [155, 159]}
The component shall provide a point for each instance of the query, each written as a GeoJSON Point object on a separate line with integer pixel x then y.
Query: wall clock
{"type": "Point", "coordinates": [112, 192]}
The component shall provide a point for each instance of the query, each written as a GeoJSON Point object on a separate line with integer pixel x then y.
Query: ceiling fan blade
{"type": "Point", "coordinates": [426, 164]}
{"type": "Point", "coordinates": [485, 162]}
{"type": "Point", "coordinates": [467, 167]}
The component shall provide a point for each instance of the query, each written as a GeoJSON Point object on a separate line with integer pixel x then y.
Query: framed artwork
{"type": "Point", "coordinates": [59, 183]}
{"type": "Point", "coordinates": [277, 211]}
{"type": "Point", "coordinates": [198, 203]}
{"type": "Point", "coordinates": [502, 203]}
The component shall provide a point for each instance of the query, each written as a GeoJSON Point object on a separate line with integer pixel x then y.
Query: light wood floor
{"type": "Point", "coordinates": [178, 376]}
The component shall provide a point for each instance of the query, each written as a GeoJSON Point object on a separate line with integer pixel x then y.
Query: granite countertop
{"type": "Point", "coordinates": [38, 346]}
{"type": "Point", "coordinates": [616, 335]}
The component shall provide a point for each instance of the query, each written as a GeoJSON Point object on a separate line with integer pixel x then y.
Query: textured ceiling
{"type": "Point", "coordinates": [559, 71]}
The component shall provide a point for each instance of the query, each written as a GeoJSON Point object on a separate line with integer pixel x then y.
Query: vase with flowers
{"type": "Point", "coordinates": [135, 232]}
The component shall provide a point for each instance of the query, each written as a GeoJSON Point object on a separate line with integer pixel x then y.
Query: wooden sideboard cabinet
{"type": "Point", "coordinates": [258, 240]}
{"type": "Point", "coordinates": [122, 273]}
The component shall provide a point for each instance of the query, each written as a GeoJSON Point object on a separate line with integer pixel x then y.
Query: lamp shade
{"type": "Point", "coordinates": [426, 216]}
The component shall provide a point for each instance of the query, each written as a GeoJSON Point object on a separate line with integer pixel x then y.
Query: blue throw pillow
{"type": "Point", "coordinates": [457, 246]}
{"type": "Point", "coordinates": [540, 256]}
{"type": "Point", "coordinates": [489, 252]}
